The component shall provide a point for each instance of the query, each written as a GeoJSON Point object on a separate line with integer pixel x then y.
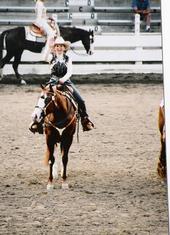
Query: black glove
{"type": "Point", "coordinates": [59, 69]}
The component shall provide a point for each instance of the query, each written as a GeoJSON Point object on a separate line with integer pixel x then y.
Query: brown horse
{"type": "Point", "coordinates": [161, 168]}
{"type": "Point", "coordinates": [59, 114]}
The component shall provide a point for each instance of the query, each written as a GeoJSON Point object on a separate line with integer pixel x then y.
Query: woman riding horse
{"type": "Point", "coordinates": [61, 71]}
{"type": "Point", "coordinates": [43, 23]}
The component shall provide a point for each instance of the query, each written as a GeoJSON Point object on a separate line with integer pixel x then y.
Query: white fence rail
{"type": "Point", "coordinates": [114, 53]}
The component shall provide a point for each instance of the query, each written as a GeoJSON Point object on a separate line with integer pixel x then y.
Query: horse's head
{"type": "Point", "coordinates": [45, 97]}
{"type": "Point", "coordinates": [88, 42]}
{"type": "Point", "coordinates": [52, 98]}
{"type": "Point", "coordinates": [47, 93]}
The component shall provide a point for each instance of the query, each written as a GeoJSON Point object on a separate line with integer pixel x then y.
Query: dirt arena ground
{"type": "Point", "coordinates": [114, 187]}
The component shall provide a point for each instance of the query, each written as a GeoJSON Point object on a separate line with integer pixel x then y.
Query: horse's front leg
{"type": "Point", "coordinates": [66, 142]}
{"type": "Point", "coordinates": [56, 163]}
{"type": "Point", "coordinates": [51, 163]}
{"type": "Point", "coordinates": [17, 59]}
{"type": "Point", "coordinates": [50, 140]}
{"type": "Point", "coordinates": [162, 161]}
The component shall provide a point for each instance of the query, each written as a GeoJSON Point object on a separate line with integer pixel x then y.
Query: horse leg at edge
{"type": "Point", "coordinates": [161, 169]}
{"type": "Point", "coordinates": [56, 163]}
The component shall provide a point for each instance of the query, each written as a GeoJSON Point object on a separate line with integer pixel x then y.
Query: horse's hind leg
{"type": "Point", "coordinates": [4, 61]}
{"type": "Point", "coordinates": [17, 59]}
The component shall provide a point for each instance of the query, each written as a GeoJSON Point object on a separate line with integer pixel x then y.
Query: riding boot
{"type": "Point", "coordinates": [36, 127]}
{"type": "Point", "coordinates": [85, 121]}
{"type": "Point", "coordinates": [38, 117]}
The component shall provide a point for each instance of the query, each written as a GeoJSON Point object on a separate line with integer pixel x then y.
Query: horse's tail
{"type": "Point", "coordinates": [2, 36]}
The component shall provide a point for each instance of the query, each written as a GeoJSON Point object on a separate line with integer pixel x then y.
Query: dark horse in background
{"type": "Point", "coordinates": [15, 43]}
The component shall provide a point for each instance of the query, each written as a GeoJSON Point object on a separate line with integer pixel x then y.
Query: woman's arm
{"type": "Point", "coordinates": [47, 54]}
{"type": "Point", "coordinates": [40, 10]}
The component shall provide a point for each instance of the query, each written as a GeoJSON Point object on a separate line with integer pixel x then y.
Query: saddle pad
{"type": "Point", "coordinates": [70, 97]}
{"type": "Point", "coordinates": [31, 36]}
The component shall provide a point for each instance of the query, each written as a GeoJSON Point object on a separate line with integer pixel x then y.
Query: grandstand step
{"type": "Point", "coordinates": [79, 2]}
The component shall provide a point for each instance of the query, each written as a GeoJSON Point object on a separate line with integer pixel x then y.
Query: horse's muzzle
{"type": "Point", "coordinates": [90, 52]}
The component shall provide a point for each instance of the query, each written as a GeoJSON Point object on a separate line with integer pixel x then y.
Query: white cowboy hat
{"type": "Point", "coordinates": [60, 40]}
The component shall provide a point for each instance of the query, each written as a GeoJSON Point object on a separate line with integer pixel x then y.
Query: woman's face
{"type": "Point", "coordinates": [59, 49]}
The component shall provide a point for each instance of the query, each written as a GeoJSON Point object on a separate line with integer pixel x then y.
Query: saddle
{"type": "Point", "coordinates": [36, 30]}
{"type": "Point", "coordinates": [66, 92]}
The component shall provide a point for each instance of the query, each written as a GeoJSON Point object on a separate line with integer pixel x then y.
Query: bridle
{"type": "Point", "coordinates": [91, 38]}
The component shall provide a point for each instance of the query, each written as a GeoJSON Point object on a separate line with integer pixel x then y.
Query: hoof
{"type": "Point", "coordinates": [50, 186]}
{"type": "Point", "coordinates": [64, 185]}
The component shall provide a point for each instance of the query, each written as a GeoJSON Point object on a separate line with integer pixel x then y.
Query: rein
{"type": "Point", "coordinates": [82, 54]}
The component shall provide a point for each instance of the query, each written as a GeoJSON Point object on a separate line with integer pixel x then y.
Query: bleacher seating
{"type": "Point", "coordinates": [78, 13]}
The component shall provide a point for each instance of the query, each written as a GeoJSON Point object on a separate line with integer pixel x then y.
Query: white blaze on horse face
{"type": "Point", "coordinates": [37, 114]}
{"type": "Point", "coordinates": [91, 50]}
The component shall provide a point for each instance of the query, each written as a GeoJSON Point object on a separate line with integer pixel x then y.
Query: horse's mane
{"type": "Point", "coordinates": [74, 29]}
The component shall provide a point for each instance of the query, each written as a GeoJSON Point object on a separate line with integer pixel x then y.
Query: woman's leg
{"type": "Point", "coordinates": [78, 98]}
{"type": "Point", "coordinates": [85, 121]}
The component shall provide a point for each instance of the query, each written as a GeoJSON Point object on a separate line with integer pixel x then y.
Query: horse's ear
{"type": "Point", "coordinates": [91, 32]}
{"type": "Point", "coordinates": [42, 86]}
{"type": "Point", "coordinates": [51, 89]}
